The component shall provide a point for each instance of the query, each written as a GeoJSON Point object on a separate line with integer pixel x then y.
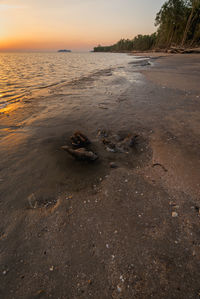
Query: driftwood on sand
{"type": "Point", "coordinates": [81, 153]}
{"type": "Point", "coordinates": [181, 50]}
{"type": "Point", "coordinates": [79, 140]}
{"type": "Point", "coordinates": [79, 148]}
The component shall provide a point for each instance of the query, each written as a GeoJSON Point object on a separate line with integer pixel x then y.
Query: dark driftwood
{"type": "Point", "coordinates": [79, 140]}
{"type": "Point", "coordinates": [81, 153]}
{"type": "Point", "coordinates": [179, 50]}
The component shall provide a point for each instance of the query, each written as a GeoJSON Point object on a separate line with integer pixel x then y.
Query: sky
{"type": "Point", "coordinates": [73, 24]}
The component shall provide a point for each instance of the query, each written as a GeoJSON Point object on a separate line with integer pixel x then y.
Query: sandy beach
{"type": "Point", "coordinates": [72, 229]}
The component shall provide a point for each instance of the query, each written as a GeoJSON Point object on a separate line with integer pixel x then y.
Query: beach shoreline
{"type": "Point", "coordinates": [70, 229]}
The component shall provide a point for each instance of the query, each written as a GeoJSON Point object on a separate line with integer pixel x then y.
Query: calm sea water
{"type": "Point", "coordinates": [23, 73]}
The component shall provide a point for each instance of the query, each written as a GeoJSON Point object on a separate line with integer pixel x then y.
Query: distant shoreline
{"type": "Point", "coordinates": [173, 50]}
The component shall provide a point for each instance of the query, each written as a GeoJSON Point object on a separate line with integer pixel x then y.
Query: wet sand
{"type": "Point", "coordinates": [84, 230]}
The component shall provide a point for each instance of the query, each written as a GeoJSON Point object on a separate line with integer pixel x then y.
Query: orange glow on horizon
{"type": "Point", "coordinates": [51, 44]}
{"type": "Point", "coordinates": [43, 45]}
{"type": "Point", "coordinates": [49, 24]}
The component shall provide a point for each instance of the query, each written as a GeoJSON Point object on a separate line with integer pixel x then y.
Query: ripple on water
{"type": "Point", "coordinates": [23, 73]}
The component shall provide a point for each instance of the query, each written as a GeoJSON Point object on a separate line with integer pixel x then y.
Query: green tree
{"type": "Point", "coordinates": [194, 7]}
{"type": "Point", "coordinates": [170, 21]}
{"type": "Point", "coordinates": [178, 23]}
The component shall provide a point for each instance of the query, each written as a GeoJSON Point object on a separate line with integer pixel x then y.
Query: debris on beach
{"type": "Point", "coordinates": [174, 214]}
{"type": "Point", "coordinates": [113, 165]}
{"type": "Point", "coordinates": [51, 268]}
{"type": "Point", "coordinates": [102, 133]}
{"type": "Point", "coordinates": [128, 142]}
{"type": "Point", "coordinates": [110, 146]}
{"type": "Point", "coordinates": [5, 272]}
{"type": "Point", "coordinates": [79, 140]}
{"type": "Point", "coordinates": [32, 201]}
{"type": "Point", "coordinates": [79, 147]}
{"type": "Point", "coordinates": [131, 140]}
{"type": "Point", "coordinates": [182, 50]}
{"type": "Point", "coordinates": [38, 202]}
{"type": "Point", "coordinates": [117, 143]}
{"type": "Point", "coordinates": [81, 153]}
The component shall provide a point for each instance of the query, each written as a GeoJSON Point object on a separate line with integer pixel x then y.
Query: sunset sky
{"type": "Point", "coordinates": [73, 24]}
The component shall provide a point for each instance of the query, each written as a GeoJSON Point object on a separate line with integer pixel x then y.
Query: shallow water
{"type": "Point", "coordinates": [23, 73]}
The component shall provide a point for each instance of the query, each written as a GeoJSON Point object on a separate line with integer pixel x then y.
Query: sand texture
{"type": "Point", "coordinates": [72, 229]}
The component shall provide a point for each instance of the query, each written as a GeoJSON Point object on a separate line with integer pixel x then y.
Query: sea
{"type": "Point", "coordinates": [21, 74]}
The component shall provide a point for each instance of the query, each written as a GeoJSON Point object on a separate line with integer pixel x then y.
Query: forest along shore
{"type": "Point", "coordinates": [74, 229]}
{"type": "Point", "coordinates": [178, 31]}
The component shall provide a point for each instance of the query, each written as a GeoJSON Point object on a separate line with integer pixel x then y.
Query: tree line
{"type": "Point", "coordinates": [178, 24]}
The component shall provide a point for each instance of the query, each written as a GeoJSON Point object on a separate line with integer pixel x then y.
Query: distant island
{"type": "Point", "coordinates": [64, 51]}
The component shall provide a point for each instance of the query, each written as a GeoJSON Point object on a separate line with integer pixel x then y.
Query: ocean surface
{"type": "Point", "coordinates": [23, 73]}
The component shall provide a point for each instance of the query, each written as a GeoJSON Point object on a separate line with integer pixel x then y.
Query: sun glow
{"type": "Point", "coordinates": [76, 24]}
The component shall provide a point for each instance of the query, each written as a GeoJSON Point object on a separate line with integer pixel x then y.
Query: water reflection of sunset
{"type": "Point", "coordinates": [10, 108]}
